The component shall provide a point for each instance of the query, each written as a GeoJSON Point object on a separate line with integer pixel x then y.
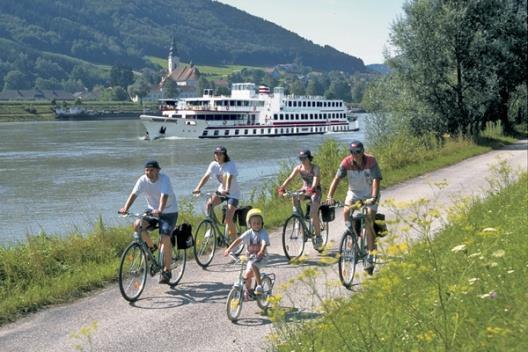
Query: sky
{"type": "Point", "coordinates": [356, 27]}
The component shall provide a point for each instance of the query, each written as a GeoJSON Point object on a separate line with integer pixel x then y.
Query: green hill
{"type": "Point", "coordinates": [46, 38]}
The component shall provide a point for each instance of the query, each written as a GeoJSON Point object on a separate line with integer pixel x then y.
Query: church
{"type": "Point", "coordinates": [185, 76]}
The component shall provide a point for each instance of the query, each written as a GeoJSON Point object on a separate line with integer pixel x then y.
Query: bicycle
{"type": "Point", "coordinates": [239, 293]}
{"type": "Point", "coordinates": [137, 261]}
{"type": "Point", "coordinates": [353, 245]}
{"type": "Point", "coordinates": [208, 234]}
{"type": "Point", "coordinates": [298, 229]}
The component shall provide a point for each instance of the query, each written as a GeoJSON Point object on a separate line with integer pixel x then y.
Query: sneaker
{"type": "Point", "coordinates": [259, 290]}
{"type": "Point", "coordinates": [318, 241]}
{"type": "Point", "coordinates": [165, 277]}
{"type": "Point", "coordinates": [369, 263]}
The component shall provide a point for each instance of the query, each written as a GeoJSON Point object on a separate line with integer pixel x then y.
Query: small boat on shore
{"type": "Point", "coordinates": [248, 113]}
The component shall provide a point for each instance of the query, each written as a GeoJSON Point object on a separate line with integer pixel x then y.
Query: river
{"type": "Point", "coordinates": [60, 176]}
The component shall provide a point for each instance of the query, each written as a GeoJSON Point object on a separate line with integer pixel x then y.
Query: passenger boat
{"type": "Point", "coordinates": [248, 113]}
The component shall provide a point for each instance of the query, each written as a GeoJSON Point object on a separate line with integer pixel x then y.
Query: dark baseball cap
{"type": "Point", "coordinates": [152, 164]}
{"type": "Point", "coordinates": [220, 149]}
{"type": "Point", "coordinates": [305, 154]}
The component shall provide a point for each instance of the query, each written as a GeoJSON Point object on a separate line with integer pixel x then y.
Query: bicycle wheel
{"type": "Point", "coordinates": [263, 300]}
{"type": "Point", "coordinates": [132, 272]}
{"type": "Point", "coordinates": [348, 251]}
{"type": "Point", "coordinates": [235, 299]}
{"type": "Point", "coordinates": [204, 243]}
{"type": "Point", "coordinates": [178, 262]}
{"type": "Point", "coordinates": [292, 237]}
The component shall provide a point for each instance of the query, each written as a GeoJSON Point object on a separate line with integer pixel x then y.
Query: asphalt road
{"type": "Point", "coordinates": [192, 316]}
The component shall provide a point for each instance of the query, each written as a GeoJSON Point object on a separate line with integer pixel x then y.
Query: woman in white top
{"type": "Point", "coordinates": [224, 170]}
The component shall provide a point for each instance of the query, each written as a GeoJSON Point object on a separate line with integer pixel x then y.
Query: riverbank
{"type": "Point", "coordinates": [62, 269]}
{"type": "Point", "coordinates": [463, 289]}
{"type": "Point", "coordinates": [15, 111]}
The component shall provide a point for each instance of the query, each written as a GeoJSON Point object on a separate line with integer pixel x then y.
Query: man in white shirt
{"type": "Point", "coordinates": [162, 203]}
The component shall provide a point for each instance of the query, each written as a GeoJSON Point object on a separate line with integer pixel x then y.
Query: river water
{"type": "Point", "coordinates": [60, 176]}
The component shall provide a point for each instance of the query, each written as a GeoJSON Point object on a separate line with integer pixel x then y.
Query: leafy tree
{"type": "Point", "coordinates": [140, 88]}
{"type": "Point", "coordinates": [314, 87]}
{"type": "Point", "coordinates": [170, 89]}
{"type": "Point", "coordinates": [460, 59]}
{"type": "Point", "coordinates": [16, 80]}
{"type": "Point", "coordinates": [121, 76]}
{"type": "Point", "coordinates": [51, 83]}
{"type": "Point", "coordinates": [119, 94]}
{"type": "Point", "coordinates": [297, 87]}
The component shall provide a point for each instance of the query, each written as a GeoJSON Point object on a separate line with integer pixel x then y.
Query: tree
{"type": "Point", "coordinates": [461, 59]}
{"type": "Point", "coordinates": [16, 80]}
{"type": "Point", "coordinates": [170, 89]}
{"type": "Point", "coordinates": [140, 88]}
{"type": "Point", "coordinates": [121, 75]}
{"type": "Point", "coordinates": [314, 87]}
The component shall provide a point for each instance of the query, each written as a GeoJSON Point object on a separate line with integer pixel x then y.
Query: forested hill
{"type": "Point", "coordinates": [125, 31]}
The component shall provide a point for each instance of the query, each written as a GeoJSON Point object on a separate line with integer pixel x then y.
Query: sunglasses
{"type": "Point", "coordinates": [303, 158]}
{"type": "Point", "coordinates": [356, 151]}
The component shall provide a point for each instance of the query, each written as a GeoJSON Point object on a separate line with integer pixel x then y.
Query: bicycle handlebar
{"type": "Point", "coordinates": [292, 194]}
{"type": "Point", "coordinates": [144, 215]}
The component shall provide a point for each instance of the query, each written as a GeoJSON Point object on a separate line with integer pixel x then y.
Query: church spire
{"type": "Point", "coordinates": [173, 58]}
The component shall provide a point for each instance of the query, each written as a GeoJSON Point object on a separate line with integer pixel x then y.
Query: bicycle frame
{"type": "Point", "coordinates": [292, 244]}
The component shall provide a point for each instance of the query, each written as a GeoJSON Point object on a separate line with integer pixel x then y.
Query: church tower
{"type": "Point", "coordinates": [174, 60]}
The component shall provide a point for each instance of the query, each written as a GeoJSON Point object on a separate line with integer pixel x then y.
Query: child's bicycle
{"type": "Point", "coordinates": [137, 261]}
{"type": "Point", "coordinates": [353, 245]}
{"type": "Point", "coordinates": [210, 233]}
{"type": "Point", "coordinates": [298, 229]}
{"type": "Point", "coordinates": [239, 293]}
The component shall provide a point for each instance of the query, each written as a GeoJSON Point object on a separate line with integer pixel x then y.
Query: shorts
{"type": "Point", "coordinates": [351, 200]}
{"type": "Point", "coordinates": [166, 223]}
{"type": "Point", "coordinates": [232, 201]}
{"type": "Point", "coordinates": [259, 263]}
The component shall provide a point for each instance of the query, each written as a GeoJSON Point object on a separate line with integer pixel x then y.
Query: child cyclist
{"type": "Point", "coordinates": [256, 240]}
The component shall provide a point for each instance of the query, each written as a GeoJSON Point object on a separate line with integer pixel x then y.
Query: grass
{"type": "Point", "coordinates": [462, 290]}
{"type": "Point", "coordinates": [48, 269]}
{"type": "Point", "coordinates": [212, 72]}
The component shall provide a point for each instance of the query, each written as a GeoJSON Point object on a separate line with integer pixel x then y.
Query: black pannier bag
{"type": "Point", "coordinates": [380, 227]}
{"type": "Point", "coordinates": [327, 213]}
{"type": "Point", "coordinates": [241, 213]}
{"type": "Point", "coordinates": [182, 236]}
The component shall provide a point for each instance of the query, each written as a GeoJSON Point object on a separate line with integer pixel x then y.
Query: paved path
{"type": "Point", "coordinates": [192, 316]}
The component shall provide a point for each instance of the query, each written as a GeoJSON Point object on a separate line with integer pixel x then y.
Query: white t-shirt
{"type": "Point", "coordinates": [220, 172]}
{"type": "Point", "coordinates": [253, 240]}
{"type": "Point", "coordinates": [154, 190]}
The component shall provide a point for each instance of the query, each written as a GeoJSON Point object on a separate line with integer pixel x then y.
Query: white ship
{"type": "Point", "coordinates": [247, 113]}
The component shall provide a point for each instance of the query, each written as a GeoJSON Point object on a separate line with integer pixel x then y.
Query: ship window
{"type": "Point", "coordinates": [281, 131]}
{"type": "Point", "coordinates": [296, 116]}
{"type": "Point", "coordinates": [280, 117]}
{"type": "Point", "coordinates": [231, 102]}
{"type": "Point", "coordinates": [289, 103]}
{"type": "Point", "coordinates": [304, 104]}
{"type": "Point", "coordinates": [245, 131]}
{"type": "Point", "coordinates": [275, 116]}
{"type": "Point", "coordinates": [269, 130]}
{"type": "Point", "coordinates": [239, 103]}
{"type": "Point", "coordinates": [226, 133]}
{"type": "Point", "coordinates": [216, 133]}
{"type": "Point", "coordinates": [236, 132]}
{"type": "Point", "coordinates": [205, 133]}
{"type": "Point", "coordinates": [254, 131]}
